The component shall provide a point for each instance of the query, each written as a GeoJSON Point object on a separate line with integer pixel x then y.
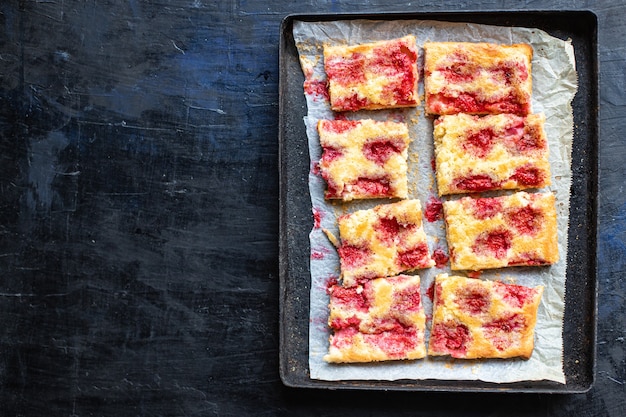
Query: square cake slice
{"type": "Point", "coordinates": [364, 159]}
{"type": "Point", "coordinates": [493, 152]}
{"type": "Point", "coordinates": [383, 241]}
{"type": "Point", "coordinates": [477, 78]}
{"type": "Point", "coordinates": [369, 76]}
{"type": "Point", "coordinates": [475, 319]}
{"type": "Point", "coordinates": [492, 232]}
{"type": "Point", "coordinates": [381, 320]}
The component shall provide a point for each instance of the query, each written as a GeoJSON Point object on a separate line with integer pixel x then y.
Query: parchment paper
{"type": "Point", "coordinates": [554, 87]}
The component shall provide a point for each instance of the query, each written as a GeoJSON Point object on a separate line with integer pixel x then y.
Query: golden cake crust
{"type": "Point", "coordinates": [477, 78]}
{"type": "Point", "coordinates": [493, 152]}
{"type": "Point", "coordinates": [364, 158]}
{"type": "Point", "coordinates": [381, 320]}
{"type": "Point", "coordinates": [513, 230]}
{"type": "Point", "coordinates": [474, 319]}
{"type": "Point", "coordinates": [370, 76]}
{"type": "Point", "coordinates": [383, 241]}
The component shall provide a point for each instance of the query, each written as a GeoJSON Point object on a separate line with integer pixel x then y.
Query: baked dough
{"type": "Point", "coordinates": [383, 241]}
{"type": "Point", "coordinates": [381, 320]}
{"type": "Point", "coordinates": [477, 78]}
{"type": "Point", "coordinates": [494, 232]}
{"type": "Point", "coordinates": [378, 75]}
{"type": "Point", "coordinates": [493, 152]}
{"type": "Point", "coordinates": [473, 318]}
{"type": "Point", "coordinates": [364, 158]}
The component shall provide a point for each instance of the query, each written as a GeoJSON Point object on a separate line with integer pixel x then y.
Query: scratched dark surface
{"type": "Point", "coordinates": [139, 214]}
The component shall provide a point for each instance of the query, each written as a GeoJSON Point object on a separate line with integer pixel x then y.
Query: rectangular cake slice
{"type": "Point", "coordinates": [383, 241]}
{"type": "Point", "coordinates": [474, 319]}
{"type": "Point", "coordinates": [381, 320]}
{"type": "Point", "coordinates": [492, 232]}
{"type": "Point", "coordinates": [477, 78]}
{"type": "Point", "coordinates": [364, 159]}
{"type": "Point", "coordinates": [378, 75]}
{"type": "Point", "coordinates": [493, 152]}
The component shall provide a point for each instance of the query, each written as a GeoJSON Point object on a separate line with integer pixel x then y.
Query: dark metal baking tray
{"type": "Point", "coordinates": [296, 220]}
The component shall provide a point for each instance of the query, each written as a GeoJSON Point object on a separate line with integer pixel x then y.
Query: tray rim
{"type": "Point", "coordinates": [288, 376]}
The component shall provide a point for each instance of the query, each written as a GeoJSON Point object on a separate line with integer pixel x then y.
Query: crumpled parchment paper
{"type": "Point", "coordinates": [554, 87]}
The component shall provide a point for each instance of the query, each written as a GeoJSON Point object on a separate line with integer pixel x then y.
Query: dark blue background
{"type": "Point", "coordinates": [139, 214]}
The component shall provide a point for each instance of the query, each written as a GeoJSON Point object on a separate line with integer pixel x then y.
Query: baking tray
{"type": "Point", "coordinates": [296, 218]}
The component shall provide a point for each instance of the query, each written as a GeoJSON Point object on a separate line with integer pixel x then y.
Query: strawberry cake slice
{"type": "Point", "coordinates": [383, 241]}
{"type": "Point", "coordinates": [381, 320]}
{"type": "Point", "coordinates": [363, 159]}
{"type": "Point", "coordinates": [370, 76]}
{"type": "Point", "coordinates": [474, 319]}
{"type": "Point", "coordinates": [477, 78]}
{"type": "Point", "coordinates": [493, 152]}
{"type": "Point", "coordinates": [493, 232]}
